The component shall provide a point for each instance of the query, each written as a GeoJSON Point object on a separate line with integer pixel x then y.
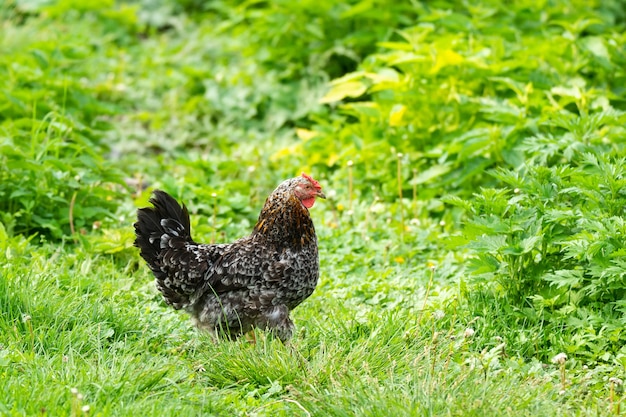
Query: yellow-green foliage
{"type": "Point", "coordinates": [472, 153]}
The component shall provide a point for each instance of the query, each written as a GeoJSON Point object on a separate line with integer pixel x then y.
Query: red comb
{"type": "Point", "coordinates": [315, 183]}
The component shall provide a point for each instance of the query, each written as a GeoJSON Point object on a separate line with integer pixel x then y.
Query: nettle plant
{"type": "Point", "coordinates": [551, 239]}
{"type": "Point", "coordinates": [53, 180]}
{"type": "Point", "coordinates": [462, 88]}
{"type": "Point", "coordinates": [59, 95]}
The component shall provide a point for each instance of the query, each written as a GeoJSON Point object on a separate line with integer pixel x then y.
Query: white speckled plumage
{"type": "Point", "coordinates": [253, 282]}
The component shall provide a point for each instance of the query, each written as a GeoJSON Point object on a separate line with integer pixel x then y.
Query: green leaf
{"type": "Point", "coordinates": [430, 174]}
{"type": "Point", "coordinates": [565, 278]}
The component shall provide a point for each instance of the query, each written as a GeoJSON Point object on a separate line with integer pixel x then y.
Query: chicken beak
{"type": "Point", "coordinates": [320, 194]}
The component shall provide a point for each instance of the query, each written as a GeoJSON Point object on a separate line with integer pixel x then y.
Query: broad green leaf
{"type": "Point", "coordinates": [342, 90]}
{"type": "Point", "coordinates": [530, 243]}
{"type": "Point", "coordinates": [431, 173]}
{"type": "Point", "coordinates": [396, 114]}
{"type": "Point", "coordinates": [446, 58]}
{"type": "Point", "coordinates": [565, 278]}
{"type": "Point", "coordinates": [596, 45]}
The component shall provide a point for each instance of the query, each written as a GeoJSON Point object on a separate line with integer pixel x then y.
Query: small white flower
{"type": "Point", "coordinates": [350, 163]}
{"type": "Point", "coordinates": [616, 380]}
{"type": "Point", "coordinates": [85, 408]}
{"type": "Point", "coordinates": [438, 314]}
{"type": "Point", "coordinates": [516, 191]}
{"type": "Point", "coordinates": [74, 391]}
{"type": "Point", "coordinates": [442, 223]}
{"type": "Point", "coordinates": [559, 359]}
{"type": "Point", "coordinates": [469, 332]}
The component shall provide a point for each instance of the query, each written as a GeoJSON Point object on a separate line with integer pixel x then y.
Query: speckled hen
{"type": "Point", "coordinates": [253, 282]}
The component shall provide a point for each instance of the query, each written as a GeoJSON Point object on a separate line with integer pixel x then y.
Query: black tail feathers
{"type": "Point", "coordinates": [166, 225]}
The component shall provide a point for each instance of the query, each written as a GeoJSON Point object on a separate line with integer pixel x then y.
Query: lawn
{"type": "Point", "coordinates": [472, 251]}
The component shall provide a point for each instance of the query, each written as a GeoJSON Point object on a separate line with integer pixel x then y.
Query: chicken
{"type": "Point", "coordinates": [254, 282]}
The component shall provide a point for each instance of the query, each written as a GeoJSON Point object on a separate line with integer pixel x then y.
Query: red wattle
{"type": "Point", "coordinates": [308, 202]}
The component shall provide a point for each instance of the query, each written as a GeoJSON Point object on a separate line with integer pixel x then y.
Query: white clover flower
{"type": "Point", "coordinates": [469, 332]}
{"type": "Point", "coordinates": [559, 359]}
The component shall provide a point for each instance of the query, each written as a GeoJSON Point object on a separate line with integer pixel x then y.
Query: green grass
{"type": "Point", "coordinates": [74, 319]}
{"type": "Point", "coordinates": [472, 153]}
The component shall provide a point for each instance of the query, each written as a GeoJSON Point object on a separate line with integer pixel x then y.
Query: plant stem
{"type": "Point", "coordinates": [350, 163]}
{"type": "Point", "coordinates": [400, 205]}
{"type": "Point", "coordinates": [71, 217]}
{"type": "Point", "coordinates": [214, 219]}
{"type": "Point", "coordinates": [430, 283]}
{"type": "Point", "coordinates": [414, 193]}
